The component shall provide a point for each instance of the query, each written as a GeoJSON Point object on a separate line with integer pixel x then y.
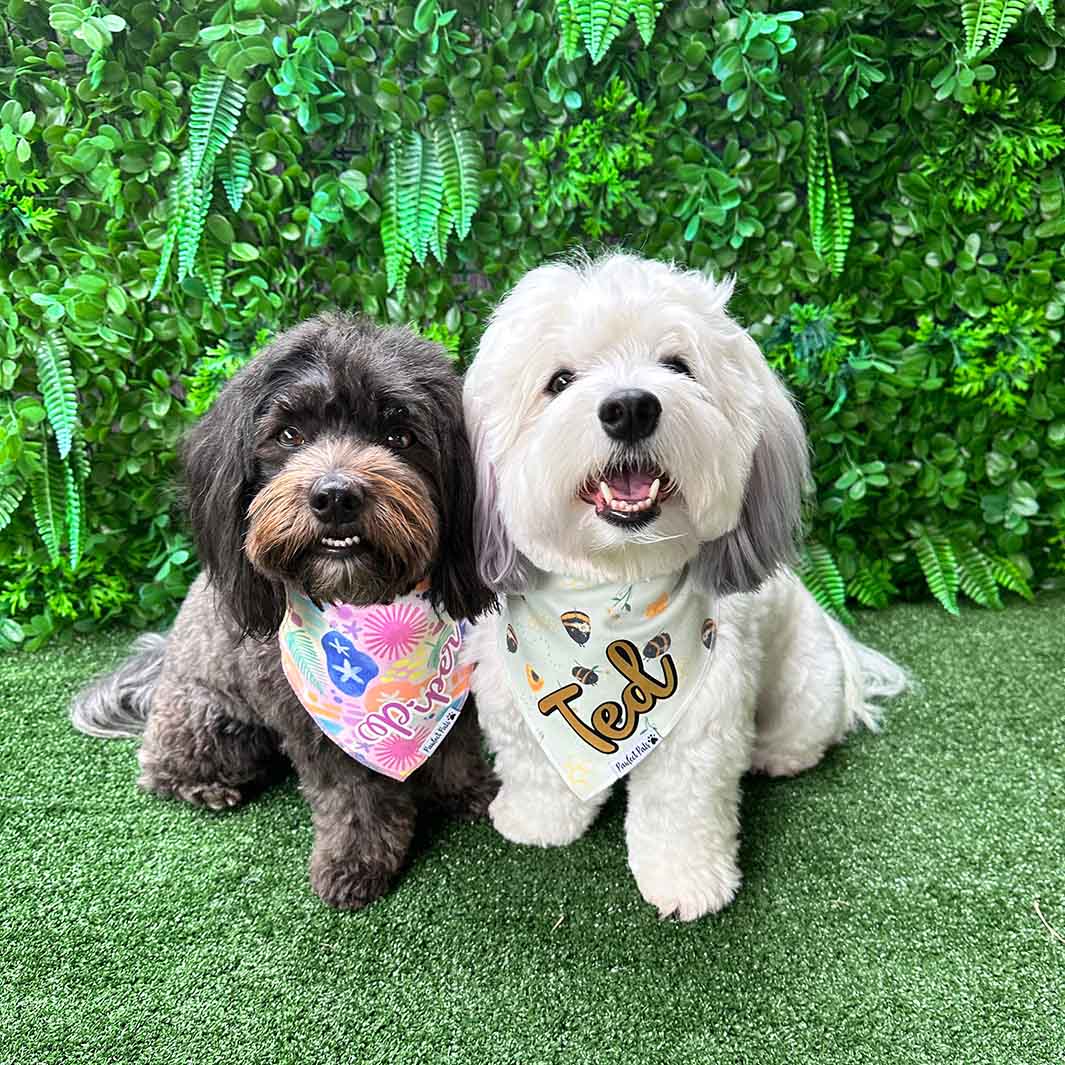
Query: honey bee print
{"type": "Point", "coordinates": [578, 625]}
{"type": "Point", "coordinates": [657, 646]}
{"type": "Point", "coordinates": [512, 640]}
{"type": "Point", "coordinates": [586, 675]}
{"type": "Point", "coordinates": [709, 633]}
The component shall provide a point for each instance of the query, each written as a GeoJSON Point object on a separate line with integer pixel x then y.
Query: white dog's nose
{"type": "Point", "coordinates": [630, 414]}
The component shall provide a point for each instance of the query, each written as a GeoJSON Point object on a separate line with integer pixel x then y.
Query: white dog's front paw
{"type": "Point", "coordinates": [528, 818]}
{"type": "Point", "coordinates": [689, 892]}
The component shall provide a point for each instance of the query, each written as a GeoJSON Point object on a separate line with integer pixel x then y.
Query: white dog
{"type": "Point", "coordinates": [632, 442]}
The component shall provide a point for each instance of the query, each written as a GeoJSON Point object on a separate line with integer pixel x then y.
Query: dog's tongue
{"type": "Point", "coordinates": [632, 486]}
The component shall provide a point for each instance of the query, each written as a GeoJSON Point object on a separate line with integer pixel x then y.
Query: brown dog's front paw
{"type": "Point", "coordinates": [348, 885]}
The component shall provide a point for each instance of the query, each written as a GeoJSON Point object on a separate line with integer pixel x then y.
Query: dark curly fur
{"type": "Point", "coordinates": [219, 719]}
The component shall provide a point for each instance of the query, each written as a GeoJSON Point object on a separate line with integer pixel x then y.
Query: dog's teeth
{"type": "Point", "coordinates": [605, 489]}
{"type": "Point", "coordinates": [655, 485]}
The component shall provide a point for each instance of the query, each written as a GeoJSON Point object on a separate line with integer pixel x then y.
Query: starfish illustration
{"type": "Point", "coordinates": [347, 672]}
{"type": "Point", "coordinates": [339, 647]}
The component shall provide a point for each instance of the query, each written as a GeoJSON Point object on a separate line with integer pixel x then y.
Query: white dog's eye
{"type": "Point", "coordinates": [561, 381]}
{"type": "Point", "coordinates": [678, 365]}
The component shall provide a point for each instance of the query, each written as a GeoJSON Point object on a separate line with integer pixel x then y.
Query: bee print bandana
{"type": "Point", "coordinates": [603, 672]}
{"type": "Point", "coordinates": [383, 682]}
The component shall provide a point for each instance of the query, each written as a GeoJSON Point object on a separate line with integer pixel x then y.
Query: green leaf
{"type": "Point", "coordinates": [10, 497]}
{"type": "Point", "coordinates": [217, 104]}
{"type": "Point", "coordinates": [233, 168]}
{"type": "Point", "coordinates": [48, 491]}
{"type": "Point", "coordinates": [421, 192]}
{"type": "Point", "coordinates": [977, 577]}
{"type": "Point", "coordinates": [940, 567]}
{"type": "Point", "coordinates": [460, 155]}
{"type": "Point", "coordinates": [72, 494]}
{"type": "Point", "coordinates": [56, 382]}
{"type": "Point", "coordinates": [821, 576]}
{"type": "Point", "coordinates": [304, 653]}
{"type": "Point", "coordinates": [398, 254]}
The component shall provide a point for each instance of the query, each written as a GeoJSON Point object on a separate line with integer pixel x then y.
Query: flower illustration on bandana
{"type": "Point", "coordinates": [392, 631]}
{"type": "Point", "coordinates": [401, 753]}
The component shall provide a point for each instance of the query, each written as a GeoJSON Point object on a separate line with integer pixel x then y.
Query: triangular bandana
{"type": "Point", "coordinates": [383, 682]}
{"type": "Point", "coordinates": [602, 672]}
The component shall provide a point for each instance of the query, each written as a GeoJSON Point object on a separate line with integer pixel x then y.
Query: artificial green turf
{"type": "Point", "coordinates": [887, 912]}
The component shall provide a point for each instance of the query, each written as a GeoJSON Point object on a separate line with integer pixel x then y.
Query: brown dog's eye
{"type": "Point", "coordinates": [290, 436]}
{"type": "Point", "coordinates": [400, 439]}
{"type": "Point", "coordinates": [560, 382]}
{"type": "Point", "coordinates": [678, 365]}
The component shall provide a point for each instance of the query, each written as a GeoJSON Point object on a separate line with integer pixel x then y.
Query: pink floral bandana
{"type": "Point", "coordinates": [383, 682]}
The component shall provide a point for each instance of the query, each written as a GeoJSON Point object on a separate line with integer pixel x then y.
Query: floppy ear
{"type": "Point", "coordinates": [767, 534]}
{"type": "Point", "coordinates": [218, 456]}
{"type": "Point", "coordinates": [502, 567]}
{"type": "Point", "coordinates": [454, 580]}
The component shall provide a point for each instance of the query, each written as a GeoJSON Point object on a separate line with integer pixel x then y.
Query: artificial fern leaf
{"type": "Point", "coordinates": [72, 492]}
{"type": "Point", "coordinates": [976, 19]}
{"type": "Point", "coordinates": [570, 28]}
{"type": "Point", "coordinates": [211, 268]}
{"type": "Point", "coordinates": [646, 12]}
{"type": "Point", "coordinates": [940, 568]}
{"type": "Point", "coordinates": [842, 223]}
{"type": "Point", "coordinates": [47, 492]}
{"type": "Point", "coordinates": [816, 190]}
{"type": "Point", "coordinates": [396, 249]}
{"type": "Point", "coordinates": [977, 579]}
{"type": "Point", "coordinates": [601, 21]}
{"type": "Point", "coordinates": [460, 155]}
{"type": "Point", "coordinates": [821, 576]}
{"type": "Point", "coordinates": [56, 381]}
{"type": "Point", "coordinates": [445, 223]}
{"type": "Point", "coordinates": [217, 104]}
{"type": "Point", "coordinates": [1007, 15]}
{"type": "Point", "coordinates": [79, 452]}
{"type": "Point", "coordinates": [871, 586]}
{"type": "Point", "coordinates": [10, 497]}
{"type": "Point", "coordinates": [421, 192]}
{"type": "Point", "coordinates": [234, 168]}
{"type": "Point", "coordinates": [190, 230]}
{"type": "Point", "coordinates": [1010, 577]}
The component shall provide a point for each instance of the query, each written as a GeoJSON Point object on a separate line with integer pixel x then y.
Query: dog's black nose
{"type": "Point", "coordinates": [630, 415]}
{"type": "Point", "coordinates": [335, 499]}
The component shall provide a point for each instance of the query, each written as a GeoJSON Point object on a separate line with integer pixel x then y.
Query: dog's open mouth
{"type": "Point", "coordinates": [629, 496]}
{"type": "Point", "coordinates": [340, 546]}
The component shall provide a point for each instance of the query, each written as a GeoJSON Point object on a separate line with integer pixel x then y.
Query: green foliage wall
{"type": "Point", "coordinates": [181, 180]}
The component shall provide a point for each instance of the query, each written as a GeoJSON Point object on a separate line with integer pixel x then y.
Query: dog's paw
{"type": "Point", "coordinates": [528, 819]}
{"type": "Point", "coordinates": [213, 796]}
{"type": "Point", "coordinates": [473, 802]}
{"type": "Point", "coordinates": [347, 885]}
{"type": "Point", "coordinates": [691, 891]}
{"type": "Point", "coordinates": [785, 763]}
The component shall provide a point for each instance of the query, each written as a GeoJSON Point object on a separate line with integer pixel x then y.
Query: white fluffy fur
{"type": "Point", "coordinates": [786, 682]}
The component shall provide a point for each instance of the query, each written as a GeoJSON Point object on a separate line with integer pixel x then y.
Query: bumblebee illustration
{"type": "Point", "coordinates": [587, 676]}
{"type": "Point", "coordinates": [657, 646]}
{"type": "Point", "coordinates": [578, 625]}
{"type": "Point", "coordinates": [709, 633]}
{"type": "Point", "coordinates": [512, 639]}
{"type": "Point", "coordinates": [533, 679]}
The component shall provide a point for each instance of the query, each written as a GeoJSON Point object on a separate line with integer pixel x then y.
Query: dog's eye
{"type": "Point", "coordinates": [400, 439]}
{"type": "Point", "coordinates": [560, 382]}
{"type": "Point", "coordinates": [290, 436]}
{"type": "Point", "coordinates": [678, 365]}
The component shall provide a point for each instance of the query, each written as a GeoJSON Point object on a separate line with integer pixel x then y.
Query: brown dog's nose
{"type": "Point", "coordinates": [630, 414]}
{"type": "Point", "coordinates": [336, 499]}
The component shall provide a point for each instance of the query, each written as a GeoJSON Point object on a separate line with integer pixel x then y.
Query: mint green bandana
{"type": "Point", "coordinates": [602, 672]}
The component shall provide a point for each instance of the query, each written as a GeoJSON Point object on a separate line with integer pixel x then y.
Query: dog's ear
{"type": "Point", "coordinates": [502, 567]}
{"type": "Point", "coordinates": [766, 536]}
{"type": "Point", "coordinates": [219, 461]}
{"type": "Point", "coordinates": [455, 581]}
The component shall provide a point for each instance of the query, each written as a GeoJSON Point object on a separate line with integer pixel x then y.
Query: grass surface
{"type": "Point", "coordinates": [887, 911]}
